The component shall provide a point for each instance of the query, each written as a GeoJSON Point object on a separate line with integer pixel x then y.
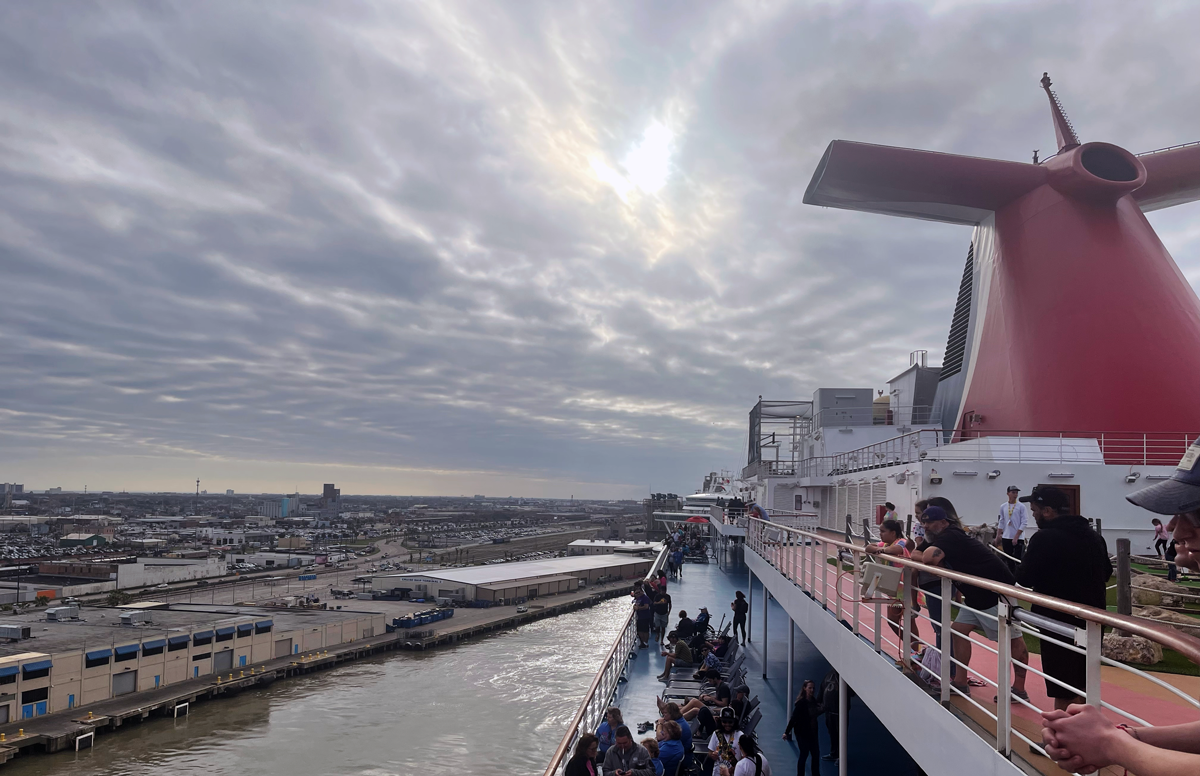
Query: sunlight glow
{"type": "Point", "coordinates": [645, 167]}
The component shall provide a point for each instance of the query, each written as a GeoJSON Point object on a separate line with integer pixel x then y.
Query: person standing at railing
{"type": "Point", "coordinates": [892, 542]}
{"type": "Point", "coordinates": [1010, 527]}
{"type": "Point", "coordinates": [951, 548]}
{"type": "Point", "coordinates": [1066, 559]}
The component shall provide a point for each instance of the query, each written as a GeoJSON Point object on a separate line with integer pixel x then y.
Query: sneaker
{"type": "Point", "coordinates": [829, 758]}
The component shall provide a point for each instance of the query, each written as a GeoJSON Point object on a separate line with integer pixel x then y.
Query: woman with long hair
{"type": "Point", "coordinates": [752, 763]}
{"type": "Point", "coordinates": [740, 608]}
{"type": "Point", "coordinates": [892, 542]}
{"type": "Point", "coordinates": [583, 761]}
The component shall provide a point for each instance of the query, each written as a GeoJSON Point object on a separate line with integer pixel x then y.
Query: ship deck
{"type": "Point", "coordinates": [1120, 688]}
{"type": "Point", "coordinates": [872, 749]}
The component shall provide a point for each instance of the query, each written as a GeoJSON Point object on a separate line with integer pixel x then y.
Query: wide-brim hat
{"type": "Point", "coordinates": [1177, 495]}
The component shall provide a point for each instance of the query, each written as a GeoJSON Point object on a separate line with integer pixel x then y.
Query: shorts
{"type": "Point", "coordinates": [661, 622]}
{"type": "Point", "coordinates": [987, 624]}
{"type": "Point", "coordinates": [643, 626]}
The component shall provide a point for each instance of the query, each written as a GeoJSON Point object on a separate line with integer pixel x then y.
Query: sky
{"type": "Point", "coordinates": [527, 248]}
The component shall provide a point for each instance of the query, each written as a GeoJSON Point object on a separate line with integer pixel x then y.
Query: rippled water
{"type": "Point", "coordinates": [496, 705]}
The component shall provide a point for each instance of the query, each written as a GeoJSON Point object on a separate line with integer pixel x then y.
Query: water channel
{"type": "Point", "coordinates": [494, 705]}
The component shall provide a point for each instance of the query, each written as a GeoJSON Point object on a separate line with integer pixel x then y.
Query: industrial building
{"type": "Point", "coordinates": [84, 656]}
{"type": "Point", "coordinates": [505, 581]}
{"type": "Point", "coordinates": [611, 546]}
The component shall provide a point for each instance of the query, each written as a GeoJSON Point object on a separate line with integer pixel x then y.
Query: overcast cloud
{"type": "Point", "coordinates": [526, 248]}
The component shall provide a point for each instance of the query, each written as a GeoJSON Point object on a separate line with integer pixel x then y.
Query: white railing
{"type": "Point", "coordinates": [604, 685]}
{"type": "Point", "coordinates": [817, 564]}
{"type": "Point", "coordinates": [1052, 447]}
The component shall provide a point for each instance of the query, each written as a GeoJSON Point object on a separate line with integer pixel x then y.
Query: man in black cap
{"type": "Point", "coordinates": [1010, 528]}
{"type": "Point", "coordinates": [1080, 736]}
{"type": "Point", "coordinates": [1066, 559]}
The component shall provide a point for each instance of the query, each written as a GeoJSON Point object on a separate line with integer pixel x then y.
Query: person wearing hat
{"type": "Point", "coordinates": [722, 745]}
{"type": "Point", "coordinates": [1178, 497]}
{"type": "Point", "coordinates": [1080, 736]}
{"type": "Point", "coordinates": [951, 547]}
{"type": "Point", "coordinates": [1010, 527]}
{"type": "Point", "coordinates": [1066, 559]}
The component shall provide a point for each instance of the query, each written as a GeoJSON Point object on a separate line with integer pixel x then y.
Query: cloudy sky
{"type": "Point", "coordinates": [528, 248]}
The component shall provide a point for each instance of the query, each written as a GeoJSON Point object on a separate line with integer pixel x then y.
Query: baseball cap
{"type": "Point", "coordinates": [1177, 495]}
{"type": "Point", "coordinates": [1011, 488]}
{"type": "Point", "coordinates": [741, 689]}
{"type": "Point", "coordinates": [934, 513]}
{"type": "Point", "coordinates": [1047, 496]}
{"type": "Point", "coordinates": [728, 714]}
{"type": "Point", "coordinates": [704, 608]}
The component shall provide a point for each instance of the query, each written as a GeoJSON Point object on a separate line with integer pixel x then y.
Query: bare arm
{"type": "Point", "coordinates": [1081, 739]}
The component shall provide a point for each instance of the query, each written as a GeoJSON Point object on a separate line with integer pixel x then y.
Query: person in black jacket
{"type": "Point", "coordinates": [804, 722]}
{"type": "Point", "coordinates": [583, 763]}
{"type": "Point", "coordinates": [1066, 559]}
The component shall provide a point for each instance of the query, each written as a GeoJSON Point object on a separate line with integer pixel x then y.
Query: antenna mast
{"type": "Point", "coordinates": [1064, 131]}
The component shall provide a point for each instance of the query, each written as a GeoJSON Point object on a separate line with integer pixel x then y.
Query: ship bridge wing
{"type": "Point", "coordinates": [917, 184]}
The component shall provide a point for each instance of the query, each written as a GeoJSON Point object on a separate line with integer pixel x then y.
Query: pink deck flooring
{"type": "Point", "coordinates": [1127, 691]}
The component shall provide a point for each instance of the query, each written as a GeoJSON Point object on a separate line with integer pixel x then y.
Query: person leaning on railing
{"type": "Point", "coordinates": [951, 547]}
{"type": "Point", "coordinates": [1080, 738]}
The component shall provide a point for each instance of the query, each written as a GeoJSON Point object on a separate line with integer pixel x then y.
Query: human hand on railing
{"type": "Point", "coordinates": [1080, 739]}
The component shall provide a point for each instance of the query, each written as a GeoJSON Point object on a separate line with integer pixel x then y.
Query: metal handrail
{"type": "Point", "coordinates": [1118, 447]}
{"type": "Point", "coordinates": [1169, 148]}
{"type": "Point", "coordinates": [1188, 646]}
{"type": "Point", "coordinates": [564, 746]}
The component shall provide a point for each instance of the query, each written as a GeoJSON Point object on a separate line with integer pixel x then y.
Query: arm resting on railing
{"type": "Point", "coordinates": [1081, 739]}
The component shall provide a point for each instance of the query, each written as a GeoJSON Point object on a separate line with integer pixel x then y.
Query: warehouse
{"type": "Point", "coordinates": [90, 655]}
{"type": "Point", "coordinates": [505, 581]}
{"type": "Point", "coordinates": [611, 546]}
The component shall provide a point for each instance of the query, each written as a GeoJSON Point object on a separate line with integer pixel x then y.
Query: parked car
{"type": "Point", "coordinates": [163, 586]}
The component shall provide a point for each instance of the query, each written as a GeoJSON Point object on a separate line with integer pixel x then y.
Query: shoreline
{"type": "Point", "coordinates": [77, 728]}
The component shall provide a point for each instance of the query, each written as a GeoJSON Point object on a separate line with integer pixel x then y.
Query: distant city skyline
{"type": "Point", "coordinates": [545, 250]}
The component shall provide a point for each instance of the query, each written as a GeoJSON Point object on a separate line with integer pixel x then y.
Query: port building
{"type": "Point", "coordinates": [67, 657]}
{"type": "Point", "coordinates": [611, 547]}
{"type": "Point", "coordinates": [505, 581]}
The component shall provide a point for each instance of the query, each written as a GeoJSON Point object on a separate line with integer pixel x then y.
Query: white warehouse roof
{"type": "Point", "coordinates": [503, 572]}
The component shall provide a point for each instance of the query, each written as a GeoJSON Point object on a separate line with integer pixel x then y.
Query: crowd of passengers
{"type": "Point", "coordinates": [711, 731]}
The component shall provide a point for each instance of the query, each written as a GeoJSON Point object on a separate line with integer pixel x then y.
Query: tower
{"type": "Point", "coordinates": [1071, 315]}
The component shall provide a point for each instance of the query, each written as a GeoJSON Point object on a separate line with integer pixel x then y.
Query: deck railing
{"type": "Point", "coordinates": [1053, 447]}
{"type": "Point", "coordinates": [604, 685]}
{"type": "Point", "coordinates": [815, 563]}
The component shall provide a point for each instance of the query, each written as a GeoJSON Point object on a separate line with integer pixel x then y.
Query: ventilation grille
{"type": "Point", "coordinates": [956, 343]}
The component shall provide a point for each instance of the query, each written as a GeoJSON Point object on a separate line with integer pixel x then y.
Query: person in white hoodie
{"type": "Point", "coordinates": [1010, 527]}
